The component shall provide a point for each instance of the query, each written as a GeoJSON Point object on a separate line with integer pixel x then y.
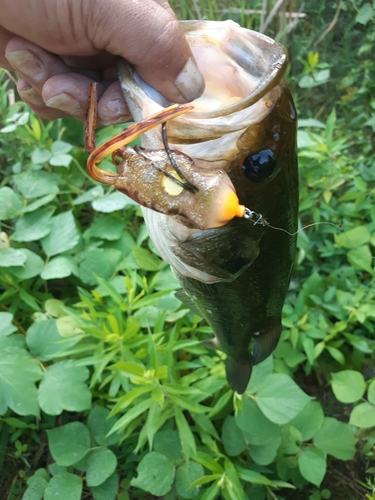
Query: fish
{"type": "Point", "coordinates": [235, 275]}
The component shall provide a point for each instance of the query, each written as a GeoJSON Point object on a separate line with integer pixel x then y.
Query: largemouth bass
{"type": "Point", "coordinates": [244, 124]}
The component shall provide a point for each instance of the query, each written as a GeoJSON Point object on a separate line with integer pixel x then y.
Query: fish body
{"type": "Point", "coordinates": [237, 275]}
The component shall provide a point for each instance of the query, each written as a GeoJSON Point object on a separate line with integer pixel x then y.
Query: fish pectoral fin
{"type": "Point", "coordinates": [265, 341]}
{"type": "Point", "coordinates": [238, 373]}
{"type": "Point", "coordinates": [188, 301]}
{"type": "Point", "coordinates": [225, 252]}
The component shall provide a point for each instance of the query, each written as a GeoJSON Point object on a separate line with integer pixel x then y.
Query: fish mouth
{"type": "Point", "coordinates": [243, 72]}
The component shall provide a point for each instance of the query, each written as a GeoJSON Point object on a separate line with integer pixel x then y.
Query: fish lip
{"type": "Point", "coordinates": [271, 77]}
{"type": "Point", "coordinates": [269, 80]}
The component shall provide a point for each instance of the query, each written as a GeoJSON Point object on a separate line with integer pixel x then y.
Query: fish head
{"type": "Point", "coordinates": [237, 127]}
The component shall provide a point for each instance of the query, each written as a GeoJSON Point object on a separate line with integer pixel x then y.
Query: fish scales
{"type": "Point", "coordinates": [237, 275]}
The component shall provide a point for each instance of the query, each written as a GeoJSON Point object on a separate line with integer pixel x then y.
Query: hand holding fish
{"type": "Point", "coordinates": [66, 45]}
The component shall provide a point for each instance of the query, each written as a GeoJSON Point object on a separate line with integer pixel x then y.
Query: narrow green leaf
{"type": "Point", "coordinates": [131, 414]}
{"type": "Point", "coordinates": [186, 436]}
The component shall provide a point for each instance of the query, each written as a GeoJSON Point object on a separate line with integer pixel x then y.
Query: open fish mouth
{"type": "Point", "coordinates": [243, 72]}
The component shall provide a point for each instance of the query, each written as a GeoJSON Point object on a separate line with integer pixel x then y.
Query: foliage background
{"type": "Point", "coordinates": [105, 388]}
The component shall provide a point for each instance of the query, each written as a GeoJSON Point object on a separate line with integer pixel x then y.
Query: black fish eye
{"type": "Point", "coordinates": [257, 167]}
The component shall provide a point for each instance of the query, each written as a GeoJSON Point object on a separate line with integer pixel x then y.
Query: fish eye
{"type": "Point", "coordinates": [257, 167]}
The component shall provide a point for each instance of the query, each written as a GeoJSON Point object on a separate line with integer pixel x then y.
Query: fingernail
{"type": "Point", "coordinates": [28, 63]}
{"type": "Point", "coordinates": [66, 103]}
{"type": "Point", "coordinates": [190, 81]}
{"type": "Point", "coordinates": [27, 93]}
{"type": "Point", "coordinates": [116, 119]}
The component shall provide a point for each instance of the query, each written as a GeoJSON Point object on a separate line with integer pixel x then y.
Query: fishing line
{"type": "Point", "coordinates": [249, 214]}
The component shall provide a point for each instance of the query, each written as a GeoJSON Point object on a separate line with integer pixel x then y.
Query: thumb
{"type": "Point", "coordinates": [147, 34]}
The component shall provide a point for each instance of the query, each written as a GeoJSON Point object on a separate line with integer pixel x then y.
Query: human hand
{"type": "Point", "coordinates": [59, 48]}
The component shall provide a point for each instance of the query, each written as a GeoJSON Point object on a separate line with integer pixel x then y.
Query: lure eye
{"type": "Point", "coordinates": [257, 167]}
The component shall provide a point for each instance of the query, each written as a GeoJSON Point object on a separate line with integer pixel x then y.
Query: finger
{"type": "Point", "coordinates": [69, 93]}
{"type": "Point", "coordinates": [111, 106]}
{"type": "Point", "coordinates": [5, 36]}
{"type": "Point", "coordinates": [37, 65]}
{"type": "Point", "coordinates": [36, 103]}
{"type": "Point", "coordinates": [152, 41]}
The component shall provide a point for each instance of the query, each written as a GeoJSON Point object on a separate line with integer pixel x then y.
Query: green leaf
{"type": "Point", "coordinates": [353, 238]}
{"type": "Point", "coordinates": [99, 262]}
{"type": "Point", "coordinates": [63, 388]}
{"type": "Point", "coordinates": [185, 475]}
{"type": "Point", "coordinates": [280, 398]}
{"type": "Point", "coordinates": [348, 386]}
{"type": "Point", "coordinates": [107, 490]}
{"type": "Point", "coordinates": [146, 260]}
{"type": "Point", "coordinates": [336, 354]}
{"type": "Point", "coordinates": [10, 203]}
{"type": "Point", "coordinates": [36, 486]}
{"type": "Point", "coordinates": [336, 439]}
{"type": "Point", "coordinates": [155, 474]}
{"type": "Point", "coordinates": [33, 226]}
{"type": "Point", "coordinates": [107, 228]}
{"type": "Point", "coordinates": [6, 325]}
{"type": "Point", "coordinates": [365, 13]}
{"type": "Point", "coordinates": [31, 268]}
{"type": "Point", "coordinates": [100, 423]}
{"type": "Point", "coordinates": [266, 453]}
{"type": "Point", "coordinates": [40, 156]}
{"type": "Point", "coordinates": [361, 258]}
{"type": "Point", "coordinates": [11, 257]}
{"type": "Point", "coordinates": [40, 202]}
{"type": "Point", "coordinates": [232, 437]}
{"type": "Point", "coordinates": [186, 436]}
{"type": "Point", "coordinates": [259, 373]}
{"type": "Point", "coordinates": [61, 160]}
{"type": "Point", "coordinates": [309, 420]}
{"type": "Point", "coordinates": [69, 443]}
{"type": "Point", "coordinates": [64, 486]}
{"type": "Point", "coordinates": [34, 183]}
{"type": "Point", "coordinates": [257, 429]}
{"type": "Point", "coordinates": [44, 340]}
{"type": "Point", "coordinates": [312, 465]}
{"type": "Point", "coordinates": [60, 147]}
{"type": "Point", "coordinates": [370, 392]}
{"type": "Point", "coordinates": [131, 415]}
{"type": "Point", "coordinates": [188, 404]}
{"type": "Point", "coordinates": [168, 444]}
{"type": "Point", "coordinates": [63, 236]}
{"type": "Point", "coordinates": [59, 267]}
{"type": "Point", "coordinates": [363, 416]}
{"type": "Point", "coordinates": [101, 465]}
{"type": "Point", "coordinates": [18, 374]}
{"type": "Point", "coordinates": [111, 203]}
{"type": "Point", "coordinates": [89, 195]}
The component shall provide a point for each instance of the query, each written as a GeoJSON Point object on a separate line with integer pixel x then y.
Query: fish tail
{"type": "Point", "coordinates": [238, 373]}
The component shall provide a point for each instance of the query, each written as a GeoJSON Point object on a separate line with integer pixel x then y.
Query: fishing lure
{"type": "Point", "coordinates": [163, 180]}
